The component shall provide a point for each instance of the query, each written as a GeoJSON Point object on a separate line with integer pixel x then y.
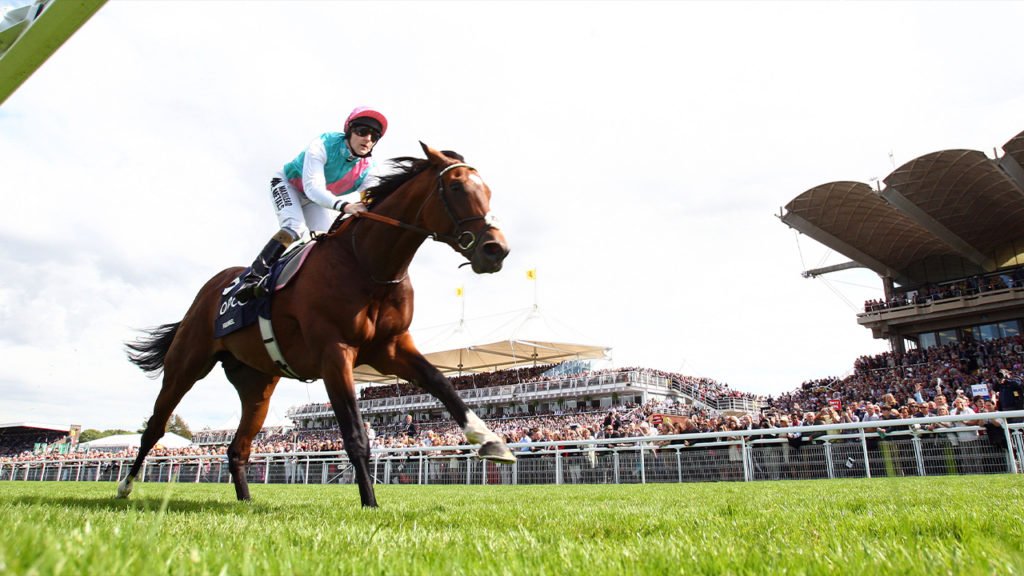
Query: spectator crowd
{"type": "Point", "coordinates": [960, 378]}
{"type": "Point", "coordinates": [705, 390]}
{"type": "Point", "coordinates": [971, 286]}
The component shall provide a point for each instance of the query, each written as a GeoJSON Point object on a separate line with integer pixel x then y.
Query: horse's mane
{"type": "Point", "coordinates": [402, 169]}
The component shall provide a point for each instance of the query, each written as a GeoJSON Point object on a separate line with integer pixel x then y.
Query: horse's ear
{"type": "Point", "coordinates": [435, 157]}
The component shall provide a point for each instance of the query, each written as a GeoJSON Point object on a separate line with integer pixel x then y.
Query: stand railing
{"type": "Point", "coordinates": [856, 450]}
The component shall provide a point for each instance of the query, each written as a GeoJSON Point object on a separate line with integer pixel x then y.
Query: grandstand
{"type": "Point", "coordinates": [523, 367]}
{"type": "Point", "coordinates": [945, 235]}
{"type": "Point", "coordinates": [579, 391]}
{"type": "Point", "coordinates": [19, 437]}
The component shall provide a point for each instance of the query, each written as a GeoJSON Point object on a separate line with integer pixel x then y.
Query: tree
{"type": "Point", "coordinates": [90, 434]}
{"type": "Point", "coordinates": [179, 427]}
{"type": "Point", "coordinates": [176, 425]}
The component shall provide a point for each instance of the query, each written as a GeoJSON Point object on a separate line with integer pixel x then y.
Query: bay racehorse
{"type": "Point", "coordinates": [351, 304]}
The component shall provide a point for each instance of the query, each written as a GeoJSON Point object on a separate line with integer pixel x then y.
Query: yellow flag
{"type": "Point", "coordinates": [458, 292]}
{"type": "Point", "coordinates": [531, 273]}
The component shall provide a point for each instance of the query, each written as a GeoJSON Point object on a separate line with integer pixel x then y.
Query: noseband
{"type": "Point", "coordinates": [465, 240]}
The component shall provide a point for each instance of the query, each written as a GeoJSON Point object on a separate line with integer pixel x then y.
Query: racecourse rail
{"type": "Point", "coordinates": [853, 450]}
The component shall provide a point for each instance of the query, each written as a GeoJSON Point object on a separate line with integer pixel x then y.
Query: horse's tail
{"type": "Point", "coordinates": [148, 352]}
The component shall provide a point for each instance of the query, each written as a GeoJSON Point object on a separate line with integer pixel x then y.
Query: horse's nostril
{"type": "Point", "coordinates": [493, 250]}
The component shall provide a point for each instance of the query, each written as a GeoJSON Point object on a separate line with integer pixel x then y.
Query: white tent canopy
{"type": "Point", "coordinates": [123, 441]}
{"type": "Point", "coordinates": [519, 338]}
{"type": "Point", "coordinates": [273, 419]}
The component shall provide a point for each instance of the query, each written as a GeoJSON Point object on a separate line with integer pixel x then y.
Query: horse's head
{"type": "Point", "coordinates": [462, 213]}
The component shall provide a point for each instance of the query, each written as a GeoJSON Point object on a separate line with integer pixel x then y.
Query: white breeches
{"type": "Point", "coordinates": [295, 211]}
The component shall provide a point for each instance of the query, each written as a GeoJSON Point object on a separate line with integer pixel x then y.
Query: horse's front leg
{"type": "Point", "coordinates": [341, 389]}
{"type": "Point", "coordinates": [406, 362]}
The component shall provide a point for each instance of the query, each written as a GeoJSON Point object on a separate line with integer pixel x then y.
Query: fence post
{"type": "Point", "coordinates": [1009, 445]}
{"type": "Point", "coordinates": [483, 472]}
{"type": "Point", "coordinates": [643, 468]}
{"type": "Point", "coordinates": [745, 456]}
{"type": "Point", "coordinates": [864, 448]}
{"type": "Point", "coordinates": [469, 468]}
{"type": "Point", "coordinates": [1018, 442]}
{"type": "Point", "coordinates": [915, 441]}
{"type": "Point", "coordinates": [558, 466]}
{"type": "Point", "coordinates": [679, 464]}
{"type": "Point", "coordinates": [615, 464]}
{"type": "Point", "coordinates": [99, 470]}
{"type": "Point", "coordinates": [829, 465]}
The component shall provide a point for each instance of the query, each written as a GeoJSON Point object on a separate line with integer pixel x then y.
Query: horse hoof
{"type": "Point", "coordinates": [124, 489]}
{"type": "Point", "coordinates": [496, 452]}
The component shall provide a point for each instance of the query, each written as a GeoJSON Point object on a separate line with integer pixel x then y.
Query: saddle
{"type": "Point", "coordinates": [233, 315]}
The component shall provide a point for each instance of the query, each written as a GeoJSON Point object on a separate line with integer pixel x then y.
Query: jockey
{"type": "Point", "coordinates": [310, 190]}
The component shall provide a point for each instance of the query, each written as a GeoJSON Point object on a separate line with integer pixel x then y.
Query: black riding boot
{"type": "Point", "coordinates": [253, 285]}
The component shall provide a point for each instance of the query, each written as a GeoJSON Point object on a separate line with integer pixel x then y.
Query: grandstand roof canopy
{"type": "Point", "coordinates": [14, 426]}
{"type": "Point", "coordinates": [941, 216]}
{"type": "Point", "coordinates": [519, 338]}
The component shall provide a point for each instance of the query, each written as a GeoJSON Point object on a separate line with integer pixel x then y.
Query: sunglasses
{"type": "Point", "coordinates": [364, 131]}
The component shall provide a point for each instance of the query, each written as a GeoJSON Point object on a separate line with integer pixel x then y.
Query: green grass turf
{"type": "Point", "coordinates": [954, 525]}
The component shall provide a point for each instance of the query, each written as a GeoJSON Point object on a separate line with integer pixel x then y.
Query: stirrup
{"type": "Point", "coordinates": [251, 289]}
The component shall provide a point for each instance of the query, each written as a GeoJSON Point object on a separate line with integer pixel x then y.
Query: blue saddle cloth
{"type": "Point", "coordinates": [233, 315]}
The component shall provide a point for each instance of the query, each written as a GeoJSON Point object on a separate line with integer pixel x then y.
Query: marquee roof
{"type": "Point", "coordinates": [510, 340]}
{"type": "Point", "coordinates": [941, 216]}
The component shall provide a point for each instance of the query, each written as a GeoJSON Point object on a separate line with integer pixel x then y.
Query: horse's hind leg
{"type": "Point", "coordinates": [254, 390]}
{"type": "Point", "coordinates": [178, 380]}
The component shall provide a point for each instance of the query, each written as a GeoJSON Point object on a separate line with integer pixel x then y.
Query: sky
{"type": "Point", "coordinates": [639, 155]}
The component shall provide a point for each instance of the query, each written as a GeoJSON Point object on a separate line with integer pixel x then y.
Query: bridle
{"type": "Point", "coordinates": [464, 239]}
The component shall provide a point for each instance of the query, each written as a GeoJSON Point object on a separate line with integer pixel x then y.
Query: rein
{"type": "Point", "coordinates": [399, 224]}
{"type": "Point", "coordinates": [464, 239]}
{"type": "Point", "coordinates": [460, 239]}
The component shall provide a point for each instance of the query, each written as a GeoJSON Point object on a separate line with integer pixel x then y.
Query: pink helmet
{"type": "Point", "coordinates": [373, 117]}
